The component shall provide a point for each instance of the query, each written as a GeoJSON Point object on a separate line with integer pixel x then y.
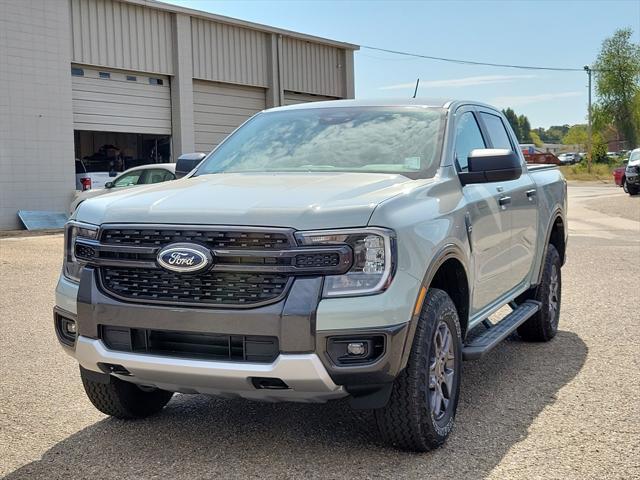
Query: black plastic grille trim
{"type": "Point", "coordinates": [214, 239]}
{"type": "Point", "coordinates": [205, 289]}
{"type": "Point", "coordinates": [210, 346]}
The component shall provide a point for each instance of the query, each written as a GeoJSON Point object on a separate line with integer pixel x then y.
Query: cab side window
{"type": "Point", "coordinates": [497, 131]}
{"type": "Point", "coordinates": [468, 137]}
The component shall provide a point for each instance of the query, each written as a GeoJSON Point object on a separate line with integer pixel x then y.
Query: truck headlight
{"type": "Point", "coordinates": [374, 259]}
{"type": "Point", "coordinates": [72, 266]}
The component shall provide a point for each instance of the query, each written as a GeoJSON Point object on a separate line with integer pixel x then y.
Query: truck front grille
{"type": "Point", "coordinates": [205, 289]}
{"type": "Point", "coordinates": [220, 239]}
{"type": "Point", "coordinates": [210, 346]}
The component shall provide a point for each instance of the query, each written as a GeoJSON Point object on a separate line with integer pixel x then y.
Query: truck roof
{"type": "Point", "coordinates": [447, 103]}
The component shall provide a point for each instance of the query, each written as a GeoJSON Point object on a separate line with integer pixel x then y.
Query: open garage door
{"type": "Point", "coordinates": [219, 108]}
{"type": "Point", "coordinates": [293, 98]}
{"type": "Point", "coordinates": [113, 101]}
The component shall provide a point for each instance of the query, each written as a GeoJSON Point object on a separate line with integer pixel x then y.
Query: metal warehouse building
{"type": "Point", "coordinates": [84, 82]}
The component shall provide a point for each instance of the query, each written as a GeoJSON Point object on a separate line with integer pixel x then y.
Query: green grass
{"type": "Point", "coordinates": [600, 172]}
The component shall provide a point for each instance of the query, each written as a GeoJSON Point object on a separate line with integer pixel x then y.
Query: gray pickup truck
{"type": "Point", "coordinates": [328, 250]}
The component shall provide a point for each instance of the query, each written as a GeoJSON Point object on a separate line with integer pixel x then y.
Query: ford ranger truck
{"type": "Point", "coordinates": [327, 250]}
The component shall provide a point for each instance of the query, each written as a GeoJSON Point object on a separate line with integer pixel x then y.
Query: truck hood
{"type": "Point", "coordinates": [297, 200]}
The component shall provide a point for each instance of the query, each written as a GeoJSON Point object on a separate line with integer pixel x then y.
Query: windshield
{"type": "Point", "coordinates": [635, 156]}
{"type": "Point", "coordinates": [365, 139]}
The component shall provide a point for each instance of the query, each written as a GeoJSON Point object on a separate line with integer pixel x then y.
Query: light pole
{"type": "Point", "coordinates": [587, 69]}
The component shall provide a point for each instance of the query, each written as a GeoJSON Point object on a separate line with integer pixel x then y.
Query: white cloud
{"type": "Point", "coordinates": [519, 100]}
{"type": "Point", "coordinates": [460, 82]}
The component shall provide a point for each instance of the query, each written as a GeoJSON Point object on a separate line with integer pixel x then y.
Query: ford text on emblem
{"type": "Point", "coordinates": [184, 257]}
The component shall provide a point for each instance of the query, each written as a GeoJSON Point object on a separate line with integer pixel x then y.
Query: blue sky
{"type": "Point", "coordinates": [546, 33]}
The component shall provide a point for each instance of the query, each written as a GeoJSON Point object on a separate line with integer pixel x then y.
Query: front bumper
{"type": "Point", "coordinates": [303, 363]}
{"type": "Point", "coordinates": [633, 178]}
{"type": "Point", "coordinates": [305, 375]}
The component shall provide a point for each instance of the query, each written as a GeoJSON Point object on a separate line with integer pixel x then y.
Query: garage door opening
{"type": "Point", "coordinates": [100, 156]}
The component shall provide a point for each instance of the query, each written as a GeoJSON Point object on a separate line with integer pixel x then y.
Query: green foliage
{"type": "Point", "coordinates": [535, 139]}
{"type": "Point", "coordinates": [525, 129]}
{"type": "Point", "coordinates": [599, 149]}
{"type": "Point", "coordinates": [577, 135]}
{"type": "Point", "coordinates": [512, 118]}
{"type": "Point", "coordinates": [553, 134]}
{"type": "Point", "coordinates": [617, 76]}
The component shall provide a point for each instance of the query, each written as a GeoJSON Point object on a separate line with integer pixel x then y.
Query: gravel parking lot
{"type": "Point", "coordinates": [566, 409]}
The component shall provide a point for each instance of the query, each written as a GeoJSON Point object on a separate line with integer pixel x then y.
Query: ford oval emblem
{"type": "Point", "coordinates": [184, 257]}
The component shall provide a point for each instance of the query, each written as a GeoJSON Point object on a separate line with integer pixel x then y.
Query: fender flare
{"type": "Point", "coordinates": [446, 252]}
{"type": "Point", "coordinates": [557, 214]}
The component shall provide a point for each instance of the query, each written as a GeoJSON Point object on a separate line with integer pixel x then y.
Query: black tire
{"type": "Point", "coordinates": [631, 189]}
{"type": "Point", "coordinates": [123, 399]}
{"type": "Point", "coordinates": [543, 326]}
{"type": "Point", "coordinates": [625, 187]}
{"type": "Point", "coordinates": [408, 420]}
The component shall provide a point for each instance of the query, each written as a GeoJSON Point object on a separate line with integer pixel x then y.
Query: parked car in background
{"type": "Point", "coordinates": [568, 158]}
{"type": "Point", "coordinates": [86, 179]}
{"type": "Point", "coordinates": [618, 175]}
{"type": "Point", "coordinates": [631, 182]}
{"type": "Point", "coordinates": [145, 175]}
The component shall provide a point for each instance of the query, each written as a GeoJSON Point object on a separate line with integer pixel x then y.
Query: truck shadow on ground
{"type": "Point", "coordinates": [203, 437]}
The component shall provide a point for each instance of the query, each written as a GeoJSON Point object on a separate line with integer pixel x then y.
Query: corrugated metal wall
{"type": "Point", "coordinates": [218, 109]}
{"type": "Point", "coordinates": [121, 35]}
{"type": "Point", "coordinates": [226, 53]}
{"type": "Point", "coordinates": [312, 68]}
{"type": "Point", "coordinates": [125, 102]}
{"type": "Point", "coordinates": [293, 98]}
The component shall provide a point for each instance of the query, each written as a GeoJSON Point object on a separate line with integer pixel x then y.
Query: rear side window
{"type": "Point", "coordinates": [497, 131]}
{"type": "Point", "coordinates": [468, 137]}
{"type": "Point", "coordinates": [155, 175]}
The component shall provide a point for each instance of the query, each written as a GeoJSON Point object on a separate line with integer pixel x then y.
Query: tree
{"type": "Point", "coordinates": [525, 129]}
{"type": "Point", "coordinates": [617, 76]}
{"type": "Point", "coordinates": [577, 135]}
{"type": "Point", "coordinates": [535, 138]}
{"type": "Point", "coordinates": [599, 149]}
{"type": "Point", "coordinates": [512, 118]}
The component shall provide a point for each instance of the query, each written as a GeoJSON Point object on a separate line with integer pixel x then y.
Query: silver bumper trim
{"type": "Point", "coordinates": [303, 373]}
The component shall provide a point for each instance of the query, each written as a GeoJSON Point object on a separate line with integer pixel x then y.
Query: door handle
{"type": "Point", "coordinates": [531, 194]}
{"type": "Point", "coordinates": [504, 201]}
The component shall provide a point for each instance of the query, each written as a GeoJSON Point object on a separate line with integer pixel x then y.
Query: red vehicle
{"type": "Point", "coordinates": [534, 155]}
{"type": "Point", "coordinates": [618, 174]}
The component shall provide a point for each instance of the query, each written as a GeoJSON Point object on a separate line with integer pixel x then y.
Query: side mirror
{"type": "Point", "coordinates": [187, 162]}
{"type": "Point", "coordinates": [109, 185]}
{"type": "Point", "coordinates": [491, 165]}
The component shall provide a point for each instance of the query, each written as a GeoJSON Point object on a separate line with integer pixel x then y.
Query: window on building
{"type": "Point", "coordinates": [131, 78]}
{"type": "Point", "coordinates": [104, 74]}
{"type": "Point", "coordinates": [155, 81]}
{"type": "Point", "coordinates": [77, 72]}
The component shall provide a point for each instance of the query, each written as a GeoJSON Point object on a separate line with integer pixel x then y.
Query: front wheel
{"type": "Point", "coordinates": [124, 400]}
{"type": "Point", "coordinates": [624, 185]}
{"type": "Point", "coordinates": [631, 189]}
{"type": "Point", "coordinates": [421, 410]}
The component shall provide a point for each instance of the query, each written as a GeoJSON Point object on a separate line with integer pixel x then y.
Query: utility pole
{"type": "Point", "coordinates": [587, 69]}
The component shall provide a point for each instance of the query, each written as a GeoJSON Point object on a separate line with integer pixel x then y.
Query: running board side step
{"type": "Point", "coordinates": [486, 341]}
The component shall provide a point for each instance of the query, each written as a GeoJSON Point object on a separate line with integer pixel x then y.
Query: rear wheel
{"type": "Point", "coordinates": [543, 326]}
{"type": "Point", "coordinates": [421, 410]}
{"type": "Point", "coordinates": [123, 399]}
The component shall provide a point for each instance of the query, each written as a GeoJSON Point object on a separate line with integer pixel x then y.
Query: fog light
{"type": "Point", "coordinates": [70, 327]}
{"type": "Point", "coordinates": [357, 348]}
